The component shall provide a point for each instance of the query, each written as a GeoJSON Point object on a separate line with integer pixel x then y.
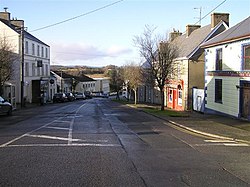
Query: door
{"type": "Point", "coordinates": [174, 98]}
{"type": "Point", "coordinates": [246, 100]}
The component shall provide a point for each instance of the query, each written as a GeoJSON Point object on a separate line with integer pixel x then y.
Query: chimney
{"type": "Point", "coordinates": [191, 28]}
{"type": "Point", "coordinates": [5, 15]}
{"type": "Point", "coordinates": [174, 34]}
{"type": "Point", "coordinates": [17, 23]}
{"type": "Point", "coordinates": [217, 17]}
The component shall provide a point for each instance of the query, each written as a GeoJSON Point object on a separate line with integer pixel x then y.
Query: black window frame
{"type": "Point", "coordinates": [218, 91]}
{"type": "Point", "coordinates": [218, 61]}
{"type": "Point", "coordinates": [246, 57]}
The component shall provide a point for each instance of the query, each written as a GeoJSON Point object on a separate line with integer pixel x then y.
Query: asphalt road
{"type": "Point", "coordinates": [98, 142]}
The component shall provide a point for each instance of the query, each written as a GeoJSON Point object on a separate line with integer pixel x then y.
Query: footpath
{"type": "Point", "coordinates": [213, 126]}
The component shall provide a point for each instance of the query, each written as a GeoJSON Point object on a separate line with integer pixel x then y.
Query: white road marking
{"type": "Point", "coordinates": [61, 121]}
{"type": "Point", "coordinates": [46, 125]}
{"type": "Point", "coordinates": [53, 137]}
{"type": "Point", "coordinates": [219, 141]}
{"type": "Point", "coordinates": [66, 145]}
{"type": "Point", "coordinates": [57, 128]}
{"type": "Point", "coordinates": [236, 144]}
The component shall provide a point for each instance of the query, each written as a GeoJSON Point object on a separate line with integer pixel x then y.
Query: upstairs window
{"type": "Point", "coordinates": [246, 58]}
{"type": "Point", "coordinates": [42, 52]}
{"type": "Point", "coordinates": [33, 49]}
{"type": "Point", "coordinates": [38, 50]}
{"type": "Point", "coordinates": [218, 90]}
{"type": "Point", "coordinates": [27, 47]}
{"type": "Point", "coordinates": [218, 65]}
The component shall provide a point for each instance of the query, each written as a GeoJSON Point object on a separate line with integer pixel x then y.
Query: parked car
{"type": "Point", "coordinates": [60, 97]}
{"type": "Point", "coordinates": [88, 94]}
{"type": "Point", "coordinates": [70, 96]}
{"type": "Point", "coordinates": [105, 95]}
{"type": "Point", "coordinates": [79, 95]}
{"type": "Point", "coordinates": [5, 107]}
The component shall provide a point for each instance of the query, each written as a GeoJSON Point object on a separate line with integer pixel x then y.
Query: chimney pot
{"type": "Point", "coordinates": [174, 34]}
{"type": "Point", "coordinates": [217, 17]}
{"type": "Point", "coordinates": [191, 28]}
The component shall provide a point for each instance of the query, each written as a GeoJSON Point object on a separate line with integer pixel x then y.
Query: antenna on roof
{"type": "Point", "coordinates": [200, 8]}
{"type": "Point", "coordinates": [5, 9]}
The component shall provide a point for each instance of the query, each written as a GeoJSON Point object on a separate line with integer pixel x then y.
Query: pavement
{"type": "Point", "coordinates": [210, 125]}
{"type": "Point", "coordinates": [213, 126]}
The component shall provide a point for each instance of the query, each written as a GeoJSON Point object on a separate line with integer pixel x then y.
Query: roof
{"type": "Point", "coordinates": [82, 78]}
{"type": "Point", "coordinates": [189, 46]}
{"type": "Point", "coordinates": [26, 34]}
{"type": "Point", "coordinates": [33, 38]}
{"type": "Point", "coordinates": [238, 32]}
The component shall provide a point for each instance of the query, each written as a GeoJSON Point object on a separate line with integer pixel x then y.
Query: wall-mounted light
{"type": "Point", "coordinates": [238, 87]}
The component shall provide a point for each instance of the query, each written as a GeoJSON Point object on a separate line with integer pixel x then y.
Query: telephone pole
{"type": "Point", "coordinates": [22, 66]}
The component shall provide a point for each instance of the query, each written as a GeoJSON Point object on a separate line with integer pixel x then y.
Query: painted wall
{"type": "Point", "coordinates": [231, 62]}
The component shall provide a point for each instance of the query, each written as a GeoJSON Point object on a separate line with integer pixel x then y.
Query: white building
{"type": "Point", "coordinates": [102, 85]}
{"type": "Point", "coordinates": [35, 66]}
{"type": "Point", "coordinates": [227, 72]}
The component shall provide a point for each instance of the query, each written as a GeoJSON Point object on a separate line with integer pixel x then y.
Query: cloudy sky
{"type": "Point", "coordinates": [101, 32]}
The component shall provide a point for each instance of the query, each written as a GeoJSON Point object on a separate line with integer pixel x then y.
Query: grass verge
{"type": "Point", "coordinates": [153, 109]}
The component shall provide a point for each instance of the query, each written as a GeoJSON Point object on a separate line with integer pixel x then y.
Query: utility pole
{"type": "Point", "coordinates": [22, 66]}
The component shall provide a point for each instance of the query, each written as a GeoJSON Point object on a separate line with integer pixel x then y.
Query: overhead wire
{"type": "Point", "coordinates": [81, 15]}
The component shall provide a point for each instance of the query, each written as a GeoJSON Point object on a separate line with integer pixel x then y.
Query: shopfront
{"type": "Point", "coordinates": [175, 94]}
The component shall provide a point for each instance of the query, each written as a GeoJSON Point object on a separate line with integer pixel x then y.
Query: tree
{"type": "Point", "coordinates": [7, 58]}
{"type": "Point", "coordinates": [116, 80]}
{"type": "Point", "coordinates": [159, 55]}
{"type": "Point", "coordinates": [133, 75]}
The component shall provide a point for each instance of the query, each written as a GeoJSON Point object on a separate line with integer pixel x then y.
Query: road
{"type": "Point", "coordinates": [98, 142]}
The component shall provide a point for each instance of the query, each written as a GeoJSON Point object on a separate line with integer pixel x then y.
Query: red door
{"type": "Point", "coordinates": [174, 99]}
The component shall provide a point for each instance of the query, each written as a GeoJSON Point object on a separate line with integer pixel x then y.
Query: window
{"type": "Point", "coordinates": [218, 90]}
{"type": "Point", "coordinates": [46, 70]}
{"type": "Point", "coordinates": [218, 59]}
{"type": "Point", "coordinates": [46, 52]}
{"type": "Point", "coordinates": [180, 97]}
{"type": "Point", "coordinates": [33, 49]}
{"type": "Point", "coordinates": [43, 74]}
{"type": "Point", "coordinates": [171, 96]}
{"type": "Point", "coordinates": [33, 69]}
{"type": "Point", "coordinates": [26, 69]}
{"type": "Point", "coordinates": [246, 57]}
{"type": "Point", "coordinates": [38, 71]}
{"type": "Point", "coordinates": [38, 50]}
{"type": "Point", "coordinates": [27, 47]}
{"type": "Point", "coordinates": [42, 52]}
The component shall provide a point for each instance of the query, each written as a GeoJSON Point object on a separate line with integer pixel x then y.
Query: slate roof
{"type": "Point", "coordinates": [238, 32]}
{"type": "Point", "coordinates": [82, 78]}
{"type": "Point", "coordinates": [186, 44]}
{"type": "Point", "coordinates": [26, 34]}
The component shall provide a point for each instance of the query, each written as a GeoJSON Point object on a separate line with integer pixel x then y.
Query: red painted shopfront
{"type": "Point", "coordinates": [175, 99]}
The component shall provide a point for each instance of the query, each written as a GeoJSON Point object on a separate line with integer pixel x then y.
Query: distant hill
{"type": "Point", "coordinates": [84, 70]}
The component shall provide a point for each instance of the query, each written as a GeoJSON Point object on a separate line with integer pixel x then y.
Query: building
{"type": "Point", "coordinates": [31, 70]}
{"type": "Point", "coordinates": [190, 61]}
{"type": "Point", "coordinates": [102, 85]}
{"type": "Point", "coordinates": [69, 83]}
{"type": "Point", "coordinates": [227, 72]}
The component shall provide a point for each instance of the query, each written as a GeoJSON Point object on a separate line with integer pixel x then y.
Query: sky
{"type": "Point", "coordinates": [101, 32]}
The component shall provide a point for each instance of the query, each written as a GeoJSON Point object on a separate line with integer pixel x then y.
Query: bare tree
{"type": "Point", "coordinates": [133, 75]}
{"type": "Point", "coordinates": [159, 57]}
{"type": "Point", "coordinates": [7, 58]}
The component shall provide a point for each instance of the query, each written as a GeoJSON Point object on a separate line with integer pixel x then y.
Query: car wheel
{"type": "Point", "coordinates": [9, 113]}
